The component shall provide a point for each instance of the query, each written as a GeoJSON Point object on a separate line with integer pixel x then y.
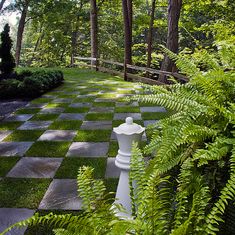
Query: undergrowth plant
{"type": "Point", "coordinates": [188, 186]}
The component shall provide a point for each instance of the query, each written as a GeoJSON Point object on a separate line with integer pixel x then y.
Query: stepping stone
{"type": "Point", "coordinates": [61, 195]}
{"type": "Point", "coordinates": [101, 110]}
{"type": "Point", "coordinates": [52, 110]}
{"type": "Point", "coordinates": [57, 135]}
{"type": "Point", "coordinates": [18, 118]}
{"type": "Point", "coordinates": [88, 149]}
{"type": "Point", "coordinates": [124, 104]}
{"type": "Point", "coordinates": [149, 122]}
{"type": "Point", "coordinates": [71, 116]}
{"type": "Point", "coordinates": [157, 109]}
{"type": "Point", "coordinates": [34, 167]}
{"type": "Point", "coordinates": [35, 125]}
{"type": "Point", "coordinates": [8, 149]}
{"type": "Point", "coordinates": [30, 106]}
{"type": "Point", "coordinates": [62, 100]}
{"type": "Point", "coordinates": [111, 170]}
{"type": "Point", "coordinates": [96, 125]}
{"type": "Point", "coordinates": [4, 134]}
{"type": "Point", "coordinates": [124, 95]}
{"type": "Point", "coordinates": [80, 105]}
{"type": "Point", "coordinates": [123, 116]}
{"type": "Point", "coordinates": [104, 100]}
{"type": "Point", "coordinates": [10, 216]}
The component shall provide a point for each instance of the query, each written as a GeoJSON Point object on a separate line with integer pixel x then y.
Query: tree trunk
{"type": "Point", "coordinates": [127, 16]}
{"type": "Point", "coordinates": [150, 34]}
{"type": "Point", "coordinates": [1, 4]}
{"type": "Point", "coordinates": [174, 7]}
{"type": "Point", "coordinates": [94, 30]}
{"type": "Point", "coordinates": [20, 31]}
{"type": "Point", "coordinates": [73, 46]}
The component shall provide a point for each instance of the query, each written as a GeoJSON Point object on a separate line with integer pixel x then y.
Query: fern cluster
{"type": "Point", "coordinates": [188, 186]}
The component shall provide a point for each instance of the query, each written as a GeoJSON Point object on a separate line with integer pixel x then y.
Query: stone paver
{"type": "Point", "coordinates": [57, 135]}
{"type": "Point", "coordinates": [88, 149]}
{"type": "Point", "coordinates": [4, 134]}
{"type": "Point", "coordinates": [20, 118]}
{"type": "Point", "coordinates": [96, 125]}
{"type": "Point", "coordinates": [153, 109]}
{"type": "Point", "coordinates": [123, 116]}
{"type": "Point", "coordinates": [8, 149]}
{"type": "Point", "coordinates": [111, 170]}
{"type": "Point", "coordinates": [35, 125]}
{"type": "Point", "coordinates": [52, 110]}
{"type": "Point", "coordinates": [10, 216]}
{"type": "Point", "coordinates": [29, 167]}
{"type": "Point", "coordinates": [61, 194]}
{"type": "Point", "coordinates": [71, 116]}
{"type": "Point", "coordinates": [149, 122]}
{"type": "Point", "coordinates": [80, 105]}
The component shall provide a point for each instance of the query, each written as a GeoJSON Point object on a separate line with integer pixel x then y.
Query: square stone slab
{"type": "Point", "coordinates": [30, 105]}
{"type": "Point", "coordinates": [123, 116]}
{"type": "Point", "coordinates": [88, 149]}
{"type": "Point", "coordinates": [124, 104]}
{"type": "Point", "coordinates": [18, 118]}
{"type": "Point", "coordinates": [111, 170]}
{"type": "Point", "coordinates": [157, 109]}
{"type": "Point", "coordinates": [4, 134]}
{"type": "Point", "coordinates": [52, 110]}
{"type": "Point", "coordinates": [96, 125]}
{"type": "Point", "coordinates": [10, 216]}
{"type": "Point", "coordinates": [80, 105]}
{"type": "Point", "coordinates": [104, 100]}
{"type": "Point", "coordinates": [34, 167]}
{"type": "Point", "coordinates": [58, 135]}
{"type": "Point", "coordinates": [71, 116]}
{"type": "Point", "coordinates": [14, 148]}
{"type": "Point", "coordinates": [62, 100]}
{"type": "Point", "coordinates": [35, 125]}
{"type": "Point", "coordinates": [61, 195]}
{"type": "Point", "coordinates": [101, 110]}
{"type": "Point", "coordinates": [149, 122]}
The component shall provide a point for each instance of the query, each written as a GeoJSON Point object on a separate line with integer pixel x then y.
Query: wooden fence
{"type": "Point", "coordinates": [127, 70]}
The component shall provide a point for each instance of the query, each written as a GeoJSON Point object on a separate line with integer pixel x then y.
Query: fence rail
{"type": "Point", "coordinates": [96, 63]}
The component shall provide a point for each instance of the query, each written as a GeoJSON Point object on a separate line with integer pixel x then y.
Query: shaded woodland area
{"type": "Point", "coordinates": [51, 33]}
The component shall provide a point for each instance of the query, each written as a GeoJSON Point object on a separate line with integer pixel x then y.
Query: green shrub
{"type": "Point", "coordinates": [30, 83]}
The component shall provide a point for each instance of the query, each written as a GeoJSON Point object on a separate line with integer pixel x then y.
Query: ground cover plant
{"type": "Point", "coordinates": [188, 186]}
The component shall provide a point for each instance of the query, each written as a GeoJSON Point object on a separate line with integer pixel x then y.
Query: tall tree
{"type": "Point", "coordinates": [1, 4]}
{"type": "Point", "coordinates": [94, 29]}
{"type": "Point", "coordinates": [150, 34]}
{"type": "Point", "coordinates": [174, 7]}
{"type": "Point", "coordinates": [20, 31]}
{"type": "Point", "coordinates": [127, 16]}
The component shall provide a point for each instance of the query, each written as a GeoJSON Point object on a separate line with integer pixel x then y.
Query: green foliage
{"type": "Point", "coordinates": [30, 84]}
{"type": "Point", "coordinates": [7, 63]}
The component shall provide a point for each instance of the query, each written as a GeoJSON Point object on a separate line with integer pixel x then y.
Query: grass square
{"type": "Point", "coordinates": [24, 135]}
{"type": "Point", "coordinates": [28, 111]}
{"type": "Point", "coordinates": [93, 136]}
{"type": "Point", "coordinates": [44, 117]}
{"type": "Point", "coordinates": [41, 100]}
{"type": "Point", "coordinates": [67, 96]}
{"type": "Point", "coordinates": [99, 116]}
{"type": "Point", "coordinates": [107, 96]}
{"type": "Point", "coordinates": [57, 105]}
{"type": "Point", "coordinates": [4, 126]}
{"type": "Point", "coordinates": [113, 149]}
{"type": "Point", "coordinates": [76, 110]}
{"type": "Point", "coordinates": [48, 149]}
{"type": "Point", "coordinates": [22, 193]}
{"type": "Point", "coordinates": [127, 109]}
{"type": "Point", "coordinates": [103, 104]}
{"type": "Point", "coordinates": [155, 116]}
{"type": "Point", "coordinates": [65, 125]}
{"type": "Point", "coordinates": [70, 166]}
{"type": "Point", "coordinates": [111, 186]}
{"type": "Point", "coordinates": [6, 163]}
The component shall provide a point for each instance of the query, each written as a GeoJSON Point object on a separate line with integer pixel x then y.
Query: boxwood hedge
{"type": "Point", "coordinates": [30, 84]}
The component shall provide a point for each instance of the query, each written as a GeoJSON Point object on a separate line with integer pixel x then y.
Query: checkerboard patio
{"type": "Point", "coordinates": [43, 144]}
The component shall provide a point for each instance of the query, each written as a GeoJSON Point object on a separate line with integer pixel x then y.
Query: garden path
{"type": "Point", "coordinates": [43, 144]}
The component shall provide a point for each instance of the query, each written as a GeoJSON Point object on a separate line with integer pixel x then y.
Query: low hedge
{"type": "Point", "coordinates": [30, 84]}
